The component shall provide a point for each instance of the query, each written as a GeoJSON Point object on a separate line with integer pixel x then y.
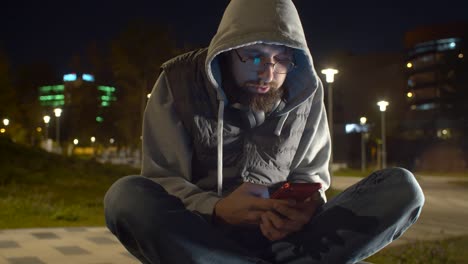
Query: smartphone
{"type": "Point", "coordinates": [296, 191]}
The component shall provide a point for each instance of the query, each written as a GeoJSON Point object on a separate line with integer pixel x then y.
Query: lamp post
{"type": "Point", "coordinates": [363, 121]}
{"type": "Point", "coordinates": [93, 139]}
{"type": "Point", "coordinates": [57, 112]}
{"type": "Point", "coordinates": [330, 77]}
{"type": "Point", "coordinates": [46, 122]}
{"type": "Point", "coordinates": [383, 106]}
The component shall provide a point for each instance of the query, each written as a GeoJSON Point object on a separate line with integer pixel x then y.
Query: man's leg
{"type": "Point", "coordinates": [156, 228]}
{"type": "Point", "coordinates": [358, 222]}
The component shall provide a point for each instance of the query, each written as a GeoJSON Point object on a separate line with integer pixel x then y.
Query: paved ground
{"type": "Point", "coordinates": [444, 215]}
{"type": "Point", "coordinates": [81, 245]}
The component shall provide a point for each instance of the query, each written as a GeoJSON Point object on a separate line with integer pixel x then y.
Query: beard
{"type": "Point", "coordinates": [255, 101]}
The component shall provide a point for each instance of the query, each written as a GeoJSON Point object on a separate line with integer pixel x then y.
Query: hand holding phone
{"type": "Point", "coordinates": [296, 191]}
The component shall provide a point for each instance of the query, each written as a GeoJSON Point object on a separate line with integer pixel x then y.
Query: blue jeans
{"type": "Point", "coordinates": [156, 228]}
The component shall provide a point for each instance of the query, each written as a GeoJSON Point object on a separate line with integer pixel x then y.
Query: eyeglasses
{"type": "Point", "coordinates": [255, 64]}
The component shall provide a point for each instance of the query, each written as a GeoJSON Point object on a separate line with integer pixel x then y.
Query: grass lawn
{"type": "Point", "coordinates": [39, 189]}
{"type": "Point", "coordinates": [449, 251]}
{"type": "Point", "coordinates": [352, 172]}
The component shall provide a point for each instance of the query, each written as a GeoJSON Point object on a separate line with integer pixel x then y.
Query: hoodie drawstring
{"type": "Point", "coordinates": [280, 125]}
{"type": "Point", "coordinates": [219, 136]}
{"type": "Point", "coordinates": [220, 146]}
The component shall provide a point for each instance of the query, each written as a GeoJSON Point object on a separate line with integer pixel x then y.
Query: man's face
{"type": "Point", "coordinates": [252, 79]}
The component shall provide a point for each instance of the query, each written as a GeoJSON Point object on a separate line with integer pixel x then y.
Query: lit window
{"type": "Point", "coordinates": [69, 77]}
{"type": "Point", "coordinates": [427, 106]}
{"type": "Point", "coordinates": [356, 128]}
{"type": "Point", "coordinates": [88, 77]}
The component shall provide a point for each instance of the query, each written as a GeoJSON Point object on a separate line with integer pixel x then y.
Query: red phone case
{"type": "Point", "coordinates": [296, 191]}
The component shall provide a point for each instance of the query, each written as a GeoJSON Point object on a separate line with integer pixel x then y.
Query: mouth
{"type": "Point", "coordinates": [259, 89]}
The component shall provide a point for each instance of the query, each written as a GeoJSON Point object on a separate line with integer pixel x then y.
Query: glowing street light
{"type": "Point", "coordinates": [6, 122]}
{"type": "Point", "coordinates": [363, 121]}
{"type": "Point", "coordinates": [330, 78]}
{"type": "Point", "coordinates": [58, 113]}
{"type": "Point", "coordinates": [93, 139]}
{"type": "Point", "coordinates": [383, 106]}
{"type": "Point", "coordinates": [46, 119]}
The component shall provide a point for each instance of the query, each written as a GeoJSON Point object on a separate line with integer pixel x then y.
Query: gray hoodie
{"type": "Point", "coordinates": [168, 146]}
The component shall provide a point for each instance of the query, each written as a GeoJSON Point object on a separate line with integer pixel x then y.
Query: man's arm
{"type": "Point", "coordinates": [312, 160]}
{"type": "Point", "coordinates": [167, 151]}
{"type": "Point", "coordinates": [311, 165]}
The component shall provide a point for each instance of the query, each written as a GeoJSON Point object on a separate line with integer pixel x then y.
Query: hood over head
{"type": "Point", "coordinates": [248, 22]}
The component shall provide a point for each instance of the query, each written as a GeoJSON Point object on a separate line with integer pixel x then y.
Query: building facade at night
{"type": "Point", "coordinates": [86, 106]}
{"type": "Point", "coordinates": [437, 85]}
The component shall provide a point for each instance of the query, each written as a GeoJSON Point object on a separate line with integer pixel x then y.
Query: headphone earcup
{"type": "Point", "coordinates": [246, 118]}
{"type": "Point", "coordinates": [254, 118]}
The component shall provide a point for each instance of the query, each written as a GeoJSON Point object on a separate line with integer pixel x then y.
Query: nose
{"type": "Point", "coordinates": [267, 73]}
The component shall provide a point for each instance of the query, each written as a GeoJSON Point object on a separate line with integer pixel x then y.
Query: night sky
{"type": "Point", "coordinates": [55, 30]}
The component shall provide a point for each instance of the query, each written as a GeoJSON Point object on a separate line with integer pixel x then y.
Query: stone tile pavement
{"type": "Point", "coordinates": [80, 245]}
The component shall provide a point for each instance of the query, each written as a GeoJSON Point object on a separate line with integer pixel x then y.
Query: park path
{"type": "Point", "coordinates": [445, 212]}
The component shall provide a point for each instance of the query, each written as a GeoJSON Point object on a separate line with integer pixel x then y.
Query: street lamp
{"type": "Point", "coordinates": [6, 122]}
{"type": "Point", "coordinates": [383, 106]}
{"type": "Point", "coordinates": [46, 122]}
{"type": "Point", "coordinates": [363, 121]}
{"type": "Point", "coordinates": [58, 112]}
{"type": "Point", "coordinates": [330, 77]}
{"type": "Point", "coordinates": [93, 139]}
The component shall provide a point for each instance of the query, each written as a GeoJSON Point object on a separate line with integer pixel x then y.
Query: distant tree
{"type": "Point", "coordinates": [27, 82]}
{"type": "Point", "coordinates": [136, 56]}
{"type": "Point", "coordinates": [8, 95]}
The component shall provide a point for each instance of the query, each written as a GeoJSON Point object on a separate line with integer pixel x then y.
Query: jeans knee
{"type": "Point", "coordinates": [115, 194]}
{"type": "Point", "coordinates": [134, 198]}
{"type": "Point", "coordinates": [124, 196]}
{"type": "Point", "coordinates": [407, 187]}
